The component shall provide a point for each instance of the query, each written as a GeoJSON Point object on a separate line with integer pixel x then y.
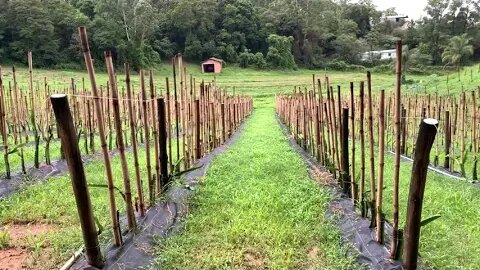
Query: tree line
{"type": "Point", "coordinates": [252, 33]}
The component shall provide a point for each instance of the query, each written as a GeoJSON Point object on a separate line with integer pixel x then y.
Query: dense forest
{"type": "Point", "coordinates": [257, 33]}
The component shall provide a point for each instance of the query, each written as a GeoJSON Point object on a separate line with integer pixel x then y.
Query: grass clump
{"type": "Point", "coordinates": [4, 239]}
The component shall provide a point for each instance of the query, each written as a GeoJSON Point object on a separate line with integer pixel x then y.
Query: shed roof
{"type": "Point", "coordinates": [215, 59]}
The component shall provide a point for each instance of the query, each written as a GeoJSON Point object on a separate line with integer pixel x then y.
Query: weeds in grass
{"type": "Point", "coordinates": [4, 238]}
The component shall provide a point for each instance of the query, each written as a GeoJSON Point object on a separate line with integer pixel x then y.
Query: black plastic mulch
{"type": "Point", "coordinates": [355, 230]}
{"type": "Point", "coordinates": [159, 222]}
{"type": "Point", "coordinates": [33, 175]}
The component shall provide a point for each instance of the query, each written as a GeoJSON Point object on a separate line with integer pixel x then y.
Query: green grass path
{"type": "Point", "coordinates": [257, 208]}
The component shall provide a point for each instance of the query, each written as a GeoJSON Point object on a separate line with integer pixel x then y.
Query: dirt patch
{"type": "Point", "coordinates": [13, 258]}
{"type": "Point", "coordinates": [254, 260]}
{"type": "Point", "coordinates": [323, 177]}
{"type": "Point", "coordinates": [19, 232]}
{"type": "Point", "coordinates": [313, 254]}
{"type": "Point", "coordinates": [315, 258]}
{"type": "Point", "coordinates": [25, 247]}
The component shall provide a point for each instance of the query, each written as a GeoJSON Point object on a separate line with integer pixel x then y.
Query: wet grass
{"type": "Point", "coordinates": [257, 209]}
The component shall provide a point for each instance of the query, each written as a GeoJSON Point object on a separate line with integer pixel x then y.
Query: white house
{"type": "Point", "coordinates": [379, 55]}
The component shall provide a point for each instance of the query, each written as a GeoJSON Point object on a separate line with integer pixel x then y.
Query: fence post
{"type": "Point", "coordinates": [346, 184]}
{"type": "Point", "coordinates": [425, 139]}
{"type": "Point", "coordinates": [403, 126]}
{"type": "Point", "coordinates": [198, 146]}
{"type": "Point", "coordinates": [106, 155]}
{"type": "Point", "coordinates": [73, 157]}
{"type": "Point", "coordinates": [448, 140]}
{"type": "Point", "coordinates": [162, 142]}
{"type": "Point", "coordinates": [214, 126]}
{"type": "Point", "coordinates": [223, 122]}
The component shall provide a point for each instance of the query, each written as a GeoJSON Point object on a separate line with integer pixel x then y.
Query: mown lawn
{"type": "Point", "coordinates": [257, 208]}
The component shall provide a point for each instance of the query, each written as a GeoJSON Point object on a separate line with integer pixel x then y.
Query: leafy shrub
{"type": "Point", "coordinates": [246, 59]}
{"type": "Point", "coordinates": [259, 61]}
{"type": "Point", "coordinates": [385, 68]}
{"type": "Point", "coordinates": [343, 66]}
{"type": "Point", "coordinates": [337, 65]}
{"type": "Point", "coordinates": [280, 52]}
{"type": "Point", "coordinates": [68, 66]}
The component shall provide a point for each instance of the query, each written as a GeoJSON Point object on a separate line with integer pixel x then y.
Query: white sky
{"type": "Point", "coordinates": [412, 8]}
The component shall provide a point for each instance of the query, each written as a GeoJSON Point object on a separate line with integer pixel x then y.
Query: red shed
{"type": "Point", "coordinates": [212, 65]}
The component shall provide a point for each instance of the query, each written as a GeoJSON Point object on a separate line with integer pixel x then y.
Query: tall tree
{"type": "Point", "coordinates": [457, 51]}
{"type": "Point", "coordinates": [29, 28]}
{"type": "Point", "coordinates": [126, 27]}
{"type": "Point", "coordinates": [280, 52]}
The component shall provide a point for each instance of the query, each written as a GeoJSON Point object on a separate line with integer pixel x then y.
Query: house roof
{"type": "Point", "coordinates": [380, 51]}
{"type": "Point", "coordinates": [215, 59]}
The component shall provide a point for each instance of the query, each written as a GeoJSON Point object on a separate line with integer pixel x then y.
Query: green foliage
{"type": "Point", "coordinates": [384, 68]}
{"type": "Point", "coordinates": [280, 52]}
{"type": "Point", "coordinates": [429, 220]}
{"type": "Point", "coordinates": [259, 61]}
{"type": "Point", "coordinates": [343, 66]}
{"type": "Point", "coordinates": [457, 51]}
{"type": "Point", "coordinates": [29, 28]}
{"type": "Point", "coordinates": [246, 59]}
{"type": "Point", "coordinates": [142, 32]}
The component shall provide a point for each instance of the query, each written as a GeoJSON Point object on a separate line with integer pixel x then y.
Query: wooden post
{"type": "Point", "coordinates": [346, 184]}
{"type": "Point", "coordinates": [372, 148]}
{"type": "Point", "coordinates": [222, 112]}
{"type": "Point", "coordinates": [120, 142]}
{"type": "Point", "coordinates": [32, 111]}
{"type": "Point", "coordinates": [198, 146]}
{"type": "Point", "coordinates": [474, 137]}
{"type": "Point", "coordinates": [4, 128]}
{"type": "Point", "coordinates": [73, 157]}
{"type": "Point", "coordinates": [396, 175]}
{"type": "Point", "coordinates": [106, 154]}
{"type": "Point", "coordinates": [381, 164]}
{"type": "Point", "coordinates": [133, 135]}
{"type": "Point", "coordinates": [352, 122]}
{"type": "Point", "coordinates": [169, 119]}
{"type": "Point", "coordinates": [162, 142]}
{"type": "Point", "coordinates": [177, 129]}
{"type": "Point", "coordinates": [150, 181]}
{"type": "Point", "coordinates": [361, 194]}
{"type": "Point", "coordinates": [426, 136]}
{"type": "Point", "coordinates": [214, 126]}
{"type": "Point", "coordinates": [448, 140]}
{"type": "Point", "coordinates": [154, 133]}
{"type": "Point", "coordinates": [403, 127]}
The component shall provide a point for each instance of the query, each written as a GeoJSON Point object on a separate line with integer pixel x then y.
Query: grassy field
{"type": "Point", "coordinates": [266, 179]}
{"type": "Point", "coordinates": [254, 82]}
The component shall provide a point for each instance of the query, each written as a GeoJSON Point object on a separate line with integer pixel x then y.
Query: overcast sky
{"type": "Point", "coordinates": [412, 8]}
